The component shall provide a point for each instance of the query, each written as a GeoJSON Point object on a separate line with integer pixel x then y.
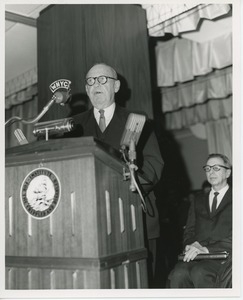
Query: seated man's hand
{"type": "Point", "coordinates": [191, 251]}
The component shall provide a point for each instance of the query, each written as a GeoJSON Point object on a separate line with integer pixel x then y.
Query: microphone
{"type": "Point", "coordinates": [61, 94]}
{"type": "Point", "coordinates": [20, 136]}
{"type": "Point", "coordinates": [133, 129]}
{"type": "Point", "coordinates": [61, 90]}
{"type": "Point", "coordinates": [61, 97]}
{"type": "Point", "coordinates": [53, 127]}
{"type": "Point", "coordinates": [130, 137]}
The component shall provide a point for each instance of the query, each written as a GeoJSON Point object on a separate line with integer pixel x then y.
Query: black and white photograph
{"type": "Point", "coordinates": [121, 157]}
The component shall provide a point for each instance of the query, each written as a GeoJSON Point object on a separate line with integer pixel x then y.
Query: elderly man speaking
{"type": "Point", "coordinates": [106, 122]}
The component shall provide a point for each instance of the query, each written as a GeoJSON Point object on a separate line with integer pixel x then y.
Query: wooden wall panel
{"type": "Point", "coordinates": [71, 38]}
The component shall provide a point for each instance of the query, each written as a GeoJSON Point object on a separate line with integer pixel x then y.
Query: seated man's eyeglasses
{"type": "Point", "coordinates": [216, 168]}
{"type": "Point", "coordinates": [101, 79]}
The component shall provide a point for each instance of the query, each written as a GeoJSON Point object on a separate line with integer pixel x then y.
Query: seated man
{"type": "Point", "coordinates": [208, 229]}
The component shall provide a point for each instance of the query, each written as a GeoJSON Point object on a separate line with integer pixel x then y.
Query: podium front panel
{"type": "Point", "coordinates": [92, 239]}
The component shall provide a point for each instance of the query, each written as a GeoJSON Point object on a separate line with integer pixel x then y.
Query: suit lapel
{"type": "Point", "coordinates": [118, 120]}
{"type": "Point", "coordinates": [90, 125]}
{"type": "Point", "coordinates": [207, 203]}
{"type": "Point", "coordinates": [113, 133]}
{"type": "Point", "coordinates": [226, 199]}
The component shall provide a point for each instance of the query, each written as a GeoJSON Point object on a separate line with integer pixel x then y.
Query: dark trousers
{"type": "Point", "coordinates": [151, 261]}
{"type": "Point", "coordinates": [195, 274]}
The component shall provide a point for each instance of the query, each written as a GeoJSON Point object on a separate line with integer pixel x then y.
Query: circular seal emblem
{"type": "Point", "coordinates": [40, 193]}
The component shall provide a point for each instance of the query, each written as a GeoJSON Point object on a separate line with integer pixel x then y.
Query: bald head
{"type": "Point", "coordinates": [102, 90]}
{"type": "Point", "coordinates": [104, 67]}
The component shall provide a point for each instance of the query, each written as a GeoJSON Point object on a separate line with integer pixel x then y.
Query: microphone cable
{"type": "Point", "coordinates": [143, 203]}
{"type": "Point", "coordinates": [134, 179]}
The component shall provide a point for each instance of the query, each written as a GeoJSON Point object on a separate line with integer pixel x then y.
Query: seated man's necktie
{"type": "Point", "coordinates": [214, 205]}
{"type": "Point", "coordinates": [102, 120]}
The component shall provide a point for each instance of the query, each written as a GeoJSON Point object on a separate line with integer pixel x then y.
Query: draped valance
{"type": "Point", "coordinates": [181, 60]}
{"type": "Point", "coordinates": [215, 85]}
{"type": "Point", "coordinates": [21, 88]}
{"type": "Point", "coordinates": [178, 18]}
{"type": "Point", "coordinates": [207, 98]}
{"type": "Point", "coordinates": [21, 96]}
{"type": "Point", "coordinates": [210, 111]}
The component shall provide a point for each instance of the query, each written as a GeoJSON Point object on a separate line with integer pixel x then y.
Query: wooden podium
{"type": "Point", "coordinates": [90, 237]}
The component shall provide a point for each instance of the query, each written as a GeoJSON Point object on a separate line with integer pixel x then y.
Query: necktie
{"type": "Point", "coordinates": [214, 205]}
{"type": "Point", "coordinates": [102, 120]}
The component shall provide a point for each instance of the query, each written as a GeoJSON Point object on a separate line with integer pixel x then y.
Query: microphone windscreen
{"type": "Point", "coordinates": [61, 97]}
{"type": "Point", "coordinates": [133, 129]}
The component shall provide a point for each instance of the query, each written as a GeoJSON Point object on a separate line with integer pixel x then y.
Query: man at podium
{"type": "Point", "coordinates": [106, 122]}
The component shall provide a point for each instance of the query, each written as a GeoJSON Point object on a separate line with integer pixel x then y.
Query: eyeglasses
{"type": "Point", "coordinates": [101, 79]}
{"type": "Point", "coordinates": [216, 168]}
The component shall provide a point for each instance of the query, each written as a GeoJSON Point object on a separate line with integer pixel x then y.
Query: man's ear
{"type": "Point", "coordinates": [117, 85]}
{"type": "Point", "coordinates": [228, 172]}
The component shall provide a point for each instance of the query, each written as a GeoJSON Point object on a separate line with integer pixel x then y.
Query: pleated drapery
{"type": "Point", "coordinates": [26, 81]}
{"type": "Point", "coordinates": [181, 60]}
{"type": "Point", "coordinates": [216, 85]}
{"type": "Point", "coordinates": [179, 18]}
{"type": "Point", "coordinates": [210, 111]}
{"type": "Point", "coordinates": [21, 96]}
{"type": "Point", "coordinates": [219, 136]}
{"type": "Point", "coordinates": [23, 104]}
{"type": "Point", "coordinates": [195, 79]}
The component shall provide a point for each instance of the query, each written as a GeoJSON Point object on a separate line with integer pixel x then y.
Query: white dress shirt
{"type": "Point", "coordinates": [219, 197]}
{"type": "Point", "coordinates": [108, 113]}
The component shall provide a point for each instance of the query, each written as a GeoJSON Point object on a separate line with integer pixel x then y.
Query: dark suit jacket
{"type": "Point", "coordinates": [149, 159]}
{"type": "Point", "coordinates": [211, 231]}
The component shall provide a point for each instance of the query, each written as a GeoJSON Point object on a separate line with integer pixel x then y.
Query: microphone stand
{"type": "Point", "coordinates": [57, 97]}
{"type": "Point", "coordinates": [41, 114]}
{"type": "Point", "coordinates": [131, 164]}
{"type": "Point", "coordinates": [132, 167]}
